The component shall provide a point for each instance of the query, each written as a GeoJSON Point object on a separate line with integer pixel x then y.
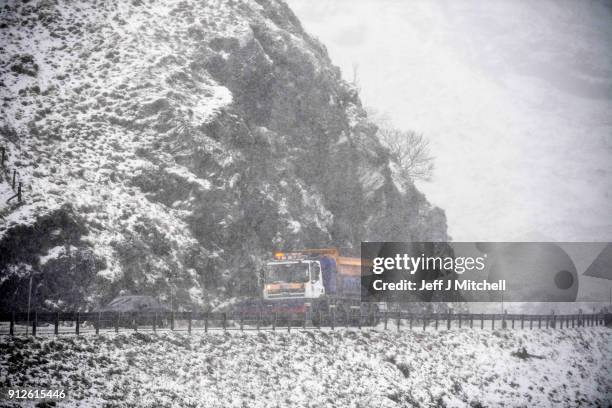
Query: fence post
{"type": "Point", "coordinates": [258, 320]}
{"type": "Point", "coordinates": [437, 319]}
{"type": "Point", "coordinates": [12, 324]}
{"type": "Point", "coordinates": [493, 322]}
{"type": "Point", "coordinates": [504, 325]}
{"type": "Point", "coordinates": [424, 322]}
{"type": "Point", "coordinates": [135, 320]}
{"type": "Point", "coordinates": [459, 319]}
{"type": "Point", "coordinates": [155, 322]}
{"type": "Point", "coordinates": [117, 318]}
{"type": "Point", "coordinates": [320, 319]}
{"type": "Point", "coordinates": [14, 177]}
{"type": "Point", "coordinates": [305, 319]}
{"type": "Point", "coordinates": [98, 324]}
{"type": "Point", "coordinates": [561, 322]}
{"type": "Point", "coordinates": [172, 320]}
{"type": "Point", "coordinates": [399, 317]}
{"type": "Point", "coordinates": [34, 323]}
{"type": "Point", "coordinates": [471, 321]}
{"type": "Point", "coordinates": [189, 323]}
{"type": "Point", "coordinates": [347, 317]}
{"type": "Point", "coordinates": [410, 322]}
{"type": "Point", "coordinates": [224, 321]}
{"type": "Point", "coordinates": [481, 321]}
{"type": "Point", "coordinates": [241, 321]}
{"type": "Point", "coordinates": [530, 322]}
{"type": "Point", "coordinates": [57, 320]}
{"type": "Point", "coordinates": [333, 318]}
{"type": "Point", "coordinates": [206, 323]}
{"type": "Point", "coordinates": [386, 319]}
{"type": "Point", "coordinates": [512, 321]}
{"type": "Point", "coordinates": [553, 322]}
{"type": "Point", "coordinates": [590, 319]}
{"type": "Point", "coordinates": [522, 321]}
{"type": "Point", "coordinates": [78, 323]}
{"type": "Point", "coordinates": [288, 323]}
{"type": "Point", "coordinates": [274, 322]}
{"type": "Point", "coordinates": [448, 320]}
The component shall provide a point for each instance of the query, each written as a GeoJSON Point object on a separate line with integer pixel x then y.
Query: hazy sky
{"type": "Point", "coordinates": [515, 97]}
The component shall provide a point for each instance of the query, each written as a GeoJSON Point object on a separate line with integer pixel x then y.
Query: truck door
{"type": "Point", "coordinates": [316, 281]}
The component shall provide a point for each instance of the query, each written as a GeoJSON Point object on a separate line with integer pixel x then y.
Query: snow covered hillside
{"type": "Point", "coordinates": [174, 144]}
{"type": "Point", "coordinates": [319, 369]}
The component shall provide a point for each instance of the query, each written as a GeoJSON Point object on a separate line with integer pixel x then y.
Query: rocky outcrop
{"type": "Point", "coordinates": [184, 142]}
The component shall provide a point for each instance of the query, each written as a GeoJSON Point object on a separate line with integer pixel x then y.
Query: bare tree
{"type": "Point", "coordinates": [408, 149]}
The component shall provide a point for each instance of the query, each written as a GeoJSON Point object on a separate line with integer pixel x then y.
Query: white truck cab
{"type": "Point", "coordinates": [292, 279]}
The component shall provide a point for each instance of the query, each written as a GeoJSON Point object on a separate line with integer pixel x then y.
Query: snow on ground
{"type": "Point", "coordinates": [319, 368]}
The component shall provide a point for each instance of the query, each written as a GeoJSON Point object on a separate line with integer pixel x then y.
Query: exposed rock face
{"type": "Point", "coordinates": [175, 144]}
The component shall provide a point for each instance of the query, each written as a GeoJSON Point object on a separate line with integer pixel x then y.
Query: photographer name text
{"type": "Point", "coordinates": [439, 285]}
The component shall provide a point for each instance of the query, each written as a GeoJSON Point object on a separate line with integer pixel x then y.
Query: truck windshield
{"type": "Point", "coordinates": [287, 272]}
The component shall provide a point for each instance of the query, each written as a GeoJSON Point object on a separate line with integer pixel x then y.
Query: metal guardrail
{"type": "Point", "coordinates": [95, 322]}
